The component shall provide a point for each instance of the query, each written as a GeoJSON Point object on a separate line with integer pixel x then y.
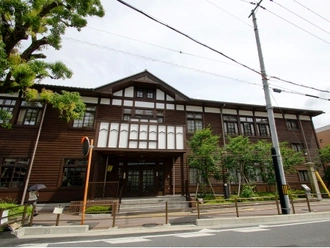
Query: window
{"type": "Point", "coordinates": [193, 176]}
{"type": "Point", "coordinates": [88, 120]}
{"type": "Point", "coordinates": [30, 113]}
{"type": "Point", "coordinates": [8, 106]}
{"type": "Point", "coordinates": [298, 147]}
{"type": "Point", "coordinates": [230, 123]}
{"type": "Point", "coordinates": [247, 126]}
{"type": "Point", "coordinates": [13, 172]}
{"type": "Point", "coordinates": [263, 126]}
{"type": "Point", "coordinates": [194, 122]}
{"type": "Point", "coordinates": [291, 125]}
{"type": "Point", "coordinates": [303, 176]}
{"type": "Point", "coordinates": [74, 172]}
{"type": "Point", "coordinates": [145, 93]}
{"type": "Point", "coordinates": [143, 114]}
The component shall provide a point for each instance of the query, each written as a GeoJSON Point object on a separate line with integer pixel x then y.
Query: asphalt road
{"type": "Point", "coordinates": [303, 234]}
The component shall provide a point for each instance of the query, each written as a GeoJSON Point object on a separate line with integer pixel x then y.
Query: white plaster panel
{"type": "Point", "coordinates": [114, 132]}
{"type": "Point", "coordinates": [14, 95]}
{"type": "Point", "coordinates": [129, 92]}
{"type": "Point", "coordinates": [105, 101]}
{"type": "Point", "coordinates": [143, 132]}
{"type": "Point", "coordinates": [160, 95]}
{"type": "Point", "coordinates": [261, 114]}
{"type": "Point", "coordinates": [134, 131]}
{"type": "Point", "coordinates": [144, 104]}
{"type": "Point", "coordinates": [143, 144]}
{"type": "Point", "coordinates": [123, 138]}
{"type": "Point", "coordinates": [161, 137]}
{"type": "Point", "coordinates": [170, 137]}
{"type": "Point", "coordinates": [87, 99]}
{"type": "Point", "coordinates": [128, 103]}
{"type": "Point", "coordinates": [152, 145]}
{"type": "Point", "coordinates": [169, 98]}
{"type": "Point", "coordinates": [245, 112]}
{"type": "Point", "coordinates": [152, 132]}
{"type": "Point", "coordinates": [292, 117]}
{"type": "Point", "coordinates": [229, 111]}
{"type": "Point", "coordinates": [304, 118]}
{"type": "Point", "coordinates": [278, 116]}
{"type": "Point", "coordinates": [170, 106]}
{"type": "Point", "coordinates": [212, 110]}
{"type": "Point", "coordinates": [160, 105]}
{"type": "Point", "coordinates": [103, 134]}
{"type": "Point", "coordinates": [133, 144]}
{"type": "Point", "coordinates": [194, 108]}
{"type": "Point", "coordinates": [118, 93]}
{"type": "Point", "coordinates": [116, 102]}
{"type": "Point", "coordinates": [180, 107]}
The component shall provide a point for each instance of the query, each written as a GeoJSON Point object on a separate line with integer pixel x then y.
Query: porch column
{"type": "Point", "coordinates": [182, 175]}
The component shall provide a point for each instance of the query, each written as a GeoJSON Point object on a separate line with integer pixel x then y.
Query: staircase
{"type": "Point", "coordinates": [153, 204]}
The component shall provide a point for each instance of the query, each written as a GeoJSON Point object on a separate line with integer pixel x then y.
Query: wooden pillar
{"type": "Point", "coordinates": [182, 175]}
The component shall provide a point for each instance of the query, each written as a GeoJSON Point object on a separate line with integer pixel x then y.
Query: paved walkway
{"type": "Point", "coordinates": [72, 224]}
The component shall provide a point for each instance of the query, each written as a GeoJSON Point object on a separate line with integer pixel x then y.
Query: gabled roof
{"type": "Point", "coordinates": [141, 79]}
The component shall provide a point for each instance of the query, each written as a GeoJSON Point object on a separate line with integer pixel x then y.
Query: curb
{"type": "Point", "coordinates": [55, 230]}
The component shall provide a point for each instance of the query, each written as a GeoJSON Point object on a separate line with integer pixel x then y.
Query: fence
{"type": "Point", "coordinates": [175, 212]}
{"type": "Point", "coordinates": [15, 214]}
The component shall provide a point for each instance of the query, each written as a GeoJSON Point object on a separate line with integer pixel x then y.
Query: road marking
{"type": "Point", "coordinates": [35, 245]}
{"type": "Point", "coordinates": [193, 235]}
{"type": "Point", "coordinates": [126, 240]}
{"type": "Point", "coordinates": [249, 230]}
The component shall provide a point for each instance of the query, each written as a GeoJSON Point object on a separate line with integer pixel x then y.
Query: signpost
{"type": "Point", "coordinates": [87, 150]}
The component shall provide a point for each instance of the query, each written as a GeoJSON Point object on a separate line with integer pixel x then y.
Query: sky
{"type": "Point", "coordinates": [294, 36]}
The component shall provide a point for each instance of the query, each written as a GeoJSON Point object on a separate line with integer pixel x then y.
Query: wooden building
{"type": "Point", "coordinates": [323, 136]}
{"type": "Point", "coordinates": [139, 126]}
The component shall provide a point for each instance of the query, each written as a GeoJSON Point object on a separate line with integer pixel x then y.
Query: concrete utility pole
{"type": "Point", "coordinates": [283, 192]}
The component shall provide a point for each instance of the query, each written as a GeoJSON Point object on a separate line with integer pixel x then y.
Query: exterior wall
{"type": "Point", "coordinates": [59, 141]}
{"type": "Point", "coordinates": [323, 136]}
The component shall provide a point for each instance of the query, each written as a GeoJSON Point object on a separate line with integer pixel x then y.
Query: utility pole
{"type": "Point", "coordinates": [280, 178]}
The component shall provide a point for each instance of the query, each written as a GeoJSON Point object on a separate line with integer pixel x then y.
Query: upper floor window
{"type": "Point", "coordinates": [303, 176]}
{"type": "Point", "coordinates": [145, 93]}
{"type": "Point", "coordinates": [88, 120]}
{"type": "Point", "coordinates": [194, 122]}
{"type": "Point", "coordinates": [231, 125]}
{"type": "Point", "coordinates": [298, 147]}
{"type": "Point", "coordinates": [30, 113]}
{"type": "Point", "coordinates": [143, 114]}
{"type": "Point", "coordinates": [263, 126]}
{"type": "Point", "coordinates": [8, 106]}
{"type": "Point", "coordinates": [247, 126]}
{"type": "Point", "coordinates": [13, 172]}
{"type": "Point", "coordinates": [74, 172]}
{"type": "Point", "coordinates": [291, 124]}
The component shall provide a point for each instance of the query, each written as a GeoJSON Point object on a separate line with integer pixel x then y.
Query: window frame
{"type": "Point", "coordinates": [32, 111]}
{"type": "Point", "coordinates": [292, 125]}
{"type": "Point", "coordinates": [143, 114]}
{"type": "Point", "coordinates": [88, 120]}
{"type": "Point", "coordinates": [303, 176]}
{"type": "Point", "coordinates": [9, 107]}
{"type": "Point", "coordinates": [145, 93]}
{"type": "Point", "coordinates": [263, 127]}
{"type": "Point", "coordinates": [247, 122]}
{"type": "Point", "coordinates": [230, 124]}
{"type": "Point", "coordinates": [17, 164]}
{"type": "Point", "coordinates": [78, 164]}
{"type": "Point", "coordinates": [194, 121]}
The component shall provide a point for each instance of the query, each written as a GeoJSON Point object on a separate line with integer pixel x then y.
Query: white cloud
{"type": "Point", "coordinates": [289, 52]}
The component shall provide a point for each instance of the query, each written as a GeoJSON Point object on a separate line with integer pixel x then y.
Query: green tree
{"type": "Point", "coordinates": [251, 160]}
{"type": "Point", "coordinates": [325, 160]}
{"type": "Point", "coordinates": [205, 156]}
{"type": "Point", "coordinates": [28, 27]}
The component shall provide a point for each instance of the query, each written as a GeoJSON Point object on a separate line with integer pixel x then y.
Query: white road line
{"type": "Point", "coordinates": [193, 235]}
{"type": "Point", "coordinates": [126, 240]}
{"type": "Point", "coordinates": [249, 230]}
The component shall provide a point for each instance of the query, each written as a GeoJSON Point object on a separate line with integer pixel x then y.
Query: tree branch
{"type": "Point", "coordinates": [34, 46]}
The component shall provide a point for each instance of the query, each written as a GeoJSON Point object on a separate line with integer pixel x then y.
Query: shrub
{"type": "Point", "coordinates": [98, 209]}
{"type": "Point", "coordinates": [248, 191]}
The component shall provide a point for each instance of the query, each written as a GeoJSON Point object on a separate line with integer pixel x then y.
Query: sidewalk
{"type": "Point", "coordinates": [44, 225]}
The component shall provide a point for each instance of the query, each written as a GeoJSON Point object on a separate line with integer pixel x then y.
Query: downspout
{"type": "Point", "coordinates": [34, 153]}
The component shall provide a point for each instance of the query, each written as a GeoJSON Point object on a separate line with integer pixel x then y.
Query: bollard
{"type": "Point", "coordinates": [308, 205]}
{"type": "Point", "coordinates": [277, 206]}
{"type": "Point", "coordinates": [226, 191]}
{"type": "Point", "coordinates": [291, 199]}
{"type": "Point", "coordinates": [236, 206]}
{"type": "Point", "coordinates": [24, 214]}
{"type": "Point", "coordinates": [114, 210]}
{"type": "Point", "coordinates": [166, 212]}
{"type": "Point", "coordinates": [198, 212]}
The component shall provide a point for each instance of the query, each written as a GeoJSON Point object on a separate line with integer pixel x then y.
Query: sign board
{"type": "Point", "coordinates": [305, 187]}
{"type": "Point", "coordinates": [58, 210]}
{"type": "Point", "coordinates": [85, 145]}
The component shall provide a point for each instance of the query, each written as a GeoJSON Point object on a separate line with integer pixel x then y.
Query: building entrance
{"type": "Point", "coordinates": [143, 179]}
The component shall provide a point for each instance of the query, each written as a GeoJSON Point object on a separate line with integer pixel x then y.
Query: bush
{"type": "Point", "coordinates": [98, 209]}
{"type": "Point", "coordinates": [248, 191]}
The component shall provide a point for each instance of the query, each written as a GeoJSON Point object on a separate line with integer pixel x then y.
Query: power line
{"type": "Point", "coordinates": [162, 47]}
{"type": "Point", "coordinates": [294, 25]}
{"type": "Point", "coordinates": [229, 13]}
{"type": "Point", "coordinates": [311, 11]}
{"type": "Point", "coordinates": [157, 60]}
{"type": "Point", "coordinates": [200, 43]}
{"type": "Point", "coordinates": [301, 17]}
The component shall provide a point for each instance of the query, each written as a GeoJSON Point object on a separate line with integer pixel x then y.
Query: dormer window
{"type": "Point", "coordinates": [145, 93]}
